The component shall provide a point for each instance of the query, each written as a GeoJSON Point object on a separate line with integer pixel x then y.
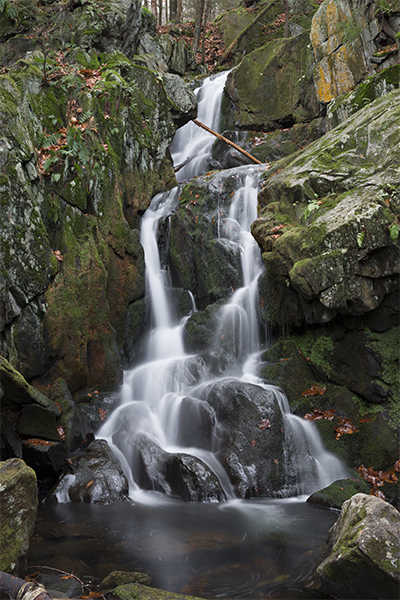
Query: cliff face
{"type": "Point", "coordinates": [84, 138]}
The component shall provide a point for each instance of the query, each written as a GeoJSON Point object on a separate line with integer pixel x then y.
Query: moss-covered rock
{"type": "Point", "coordinates": [273, 87]}
{"type": "Point", "coordinates": [201, 262]}
{"type": "Point", "coordinates": [338, 492]}
{"type": "Point", "coordinates": [136, 591]}
{"type": "Point", "coordinates": [17, 391]}
{"type": "Point", "coordinates": [18, 507]}
{"type": "Point", "coordinates": [364, 559]}
{"type": "Point", "coordinates": [337, 228]}
{"type": "Point", "coordinates": [64, 310]}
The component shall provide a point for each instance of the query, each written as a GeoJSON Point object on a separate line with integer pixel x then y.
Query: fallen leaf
{"type": "Point", "coordinates": [345, 427]}
{"type": "Point", "coordinates": [264, 424]}
{"type": "Point", "coordinates": [314, 390]}
{"type": "Point", "coordinates": [318, 414]}
{"type": "Point", "coordinates": [90, 483]}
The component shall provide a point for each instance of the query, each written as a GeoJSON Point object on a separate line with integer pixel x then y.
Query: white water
{"type": "Point", "coordinates": [155, 393]}
{"type": "Point", "coordinates": [193, 144]}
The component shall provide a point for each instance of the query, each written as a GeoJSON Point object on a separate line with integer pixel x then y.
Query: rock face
{"type": "Point", "coordinates": [74, 308]}
{"type": "Point", "coordinates": [328, 227]}
{"type": "Point", "coordinates": [345, 36]}
{"type": "Point", "coordinates": [364, 560]}
{"type": "Point", "coordinates": [18, 507]}
{"type": "Point", "coordinates": [273, 87]}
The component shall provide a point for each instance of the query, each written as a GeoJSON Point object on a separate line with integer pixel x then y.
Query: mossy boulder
{"type": "Point", "coordinates": [18, 507]}
{"type": "Point", "coordinates": [272, 87]}
{"type": "Point", "coordinates": [114, 26]}
{"type": "Point", "coordinates": [364, 559]}
{"type": "Point", "coordinates": [118, 578]}
{"type": "Point", "coordinates": [17, 391]}
{"type": "Point", "coordinates": [201, 262]}
{"type": "Point", "coordinates": [334, 495]}
{"type": "Point", "coordinates": [375, 86]}
{"type": "Point", "coordinates": [136, 591]}
{"type": "Point", "coordinates": [336, 205]}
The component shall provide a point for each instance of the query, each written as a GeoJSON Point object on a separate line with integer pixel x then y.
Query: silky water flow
{"type": "Point", "coordinates": [156, 394]}
{"type": "Point", "coordinates": [220, 545]}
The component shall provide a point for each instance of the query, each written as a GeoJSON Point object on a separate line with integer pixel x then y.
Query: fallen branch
{"type": "Point", "coordinates": [20, 589]}
{"type": "Point", "coordinates": [224, 139]}
{"type": "Point", "coordinates": [246, 30]}
{"type": "Point", "coordinates": [60, 571]}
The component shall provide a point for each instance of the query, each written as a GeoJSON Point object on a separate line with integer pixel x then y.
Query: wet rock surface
{"type": "Point", "coordinates": [95, 477]}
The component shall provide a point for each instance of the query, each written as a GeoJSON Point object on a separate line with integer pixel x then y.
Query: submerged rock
{"type": "Point", "coordinates": [18, 507]}
{"type": "Point", "coordinates": [364, 560]}
{"type": "Point", "coordinates": [133, 591]}
{"type": "Point", "coordinates": [118, 578]}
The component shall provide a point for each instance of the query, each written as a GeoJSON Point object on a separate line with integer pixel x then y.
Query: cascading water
{"type": "Point", "coordinates": [168, 431]}
{"type": "Point", "coordinates": [203, 426]}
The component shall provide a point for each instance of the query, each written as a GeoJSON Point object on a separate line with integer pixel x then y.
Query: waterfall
{"type": "Point", "coordinates": [191, 145]}
{"type": "Point", "coordinates": [169, 431]}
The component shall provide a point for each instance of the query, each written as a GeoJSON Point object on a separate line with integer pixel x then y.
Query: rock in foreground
{"type": "Point", "coordinates": [364, 561]}
{"type": "Point", "coordinates": [18, 503]}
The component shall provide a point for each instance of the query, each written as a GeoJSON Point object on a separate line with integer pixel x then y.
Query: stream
{"type": "Point", "coordinates": [224, 543]}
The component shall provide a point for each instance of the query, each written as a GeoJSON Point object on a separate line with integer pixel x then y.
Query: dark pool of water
{"type": "Point", "coordinates": [242, 549]}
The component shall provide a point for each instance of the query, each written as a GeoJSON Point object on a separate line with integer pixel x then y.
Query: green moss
{"type": "Point", "coordinates": [317, 348]}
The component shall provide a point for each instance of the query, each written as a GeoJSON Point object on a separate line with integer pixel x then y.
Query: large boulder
{"type": "Point", "coordinates": [18, 507]}
{"type": "Point", "coordinates": [253, 436]}
{"type": "Point", "coordinates": [338, 200]}
{"type": "Point", "coordinates": [364, 560]}
{"type": "Point", "coordinates": [272, 87]}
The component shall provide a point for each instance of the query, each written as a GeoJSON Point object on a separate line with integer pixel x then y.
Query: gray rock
{"type": "Point", "coordinates": [192, 480]}
{"type": "Point", "coordinates": [364, 560]}
{"type": "Point", "coordinates": [18, 507]}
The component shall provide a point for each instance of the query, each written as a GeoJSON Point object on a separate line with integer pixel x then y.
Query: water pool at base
{"type": "Point", "coordinates": [240, 549]}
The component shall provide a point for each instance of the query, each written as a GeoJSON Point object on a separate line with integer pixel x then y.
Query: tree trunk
{"type": "Point", "coordinates": [198, 23]}
{"type": "Point", "coordinates": [173, 10]}
{"type": "Point", "coordinates": [146, 3]}
{"type": "Point", "coordinates": [160, 7]}
{"type": "Point", "coordinates": [179, 11]}
{"type": "Point", "coordinates": [154, 7]}
{"type": "Point", "coordinates": [286, 18]}
{"type": "Point", "coordinates": [246, 30]}
{"type": "Point", "coordinates": [203, 48]}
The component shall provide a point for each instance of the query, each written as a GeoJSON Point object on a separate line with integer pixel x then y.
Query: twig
{"type": "Point", "coordinates": [60, 571]}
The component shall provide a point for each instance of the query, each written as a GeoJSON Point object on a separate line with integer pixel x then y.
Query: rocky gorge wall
{"type": "Point", "coordinates": [84, 144]}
